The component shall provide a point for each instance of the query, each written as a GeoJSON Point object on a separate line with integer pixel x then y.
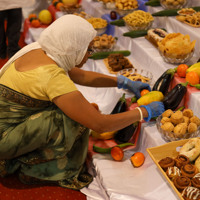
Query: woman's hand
{"type": "Point", "coordinates": [154, 109]}
{"type": "Point", "coordinates": [133, 86]}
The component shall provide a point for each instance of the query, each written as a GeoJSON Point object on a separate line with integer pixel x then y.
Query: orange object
{"type": "Point", "coordinates": [95, 105]}
{"type": "Point", "coordinates": [117, 153]}
{"type": "Point", "coordinates": [59, 5]}
{"type": "Point", "coordinates": [192, 77]}
{"type": "Point", "coordinates": [35, 23]}
{"type": "Point", "coordinates": [54, 1]}
{"type": "Point", "coordinates": [143, 92]}
{"type": "Point", "coordinates": [32, 15]}
{"type": "Point", "coordinates": [181, 70]}
{"type": "Point", "coordinates": [137, 159]}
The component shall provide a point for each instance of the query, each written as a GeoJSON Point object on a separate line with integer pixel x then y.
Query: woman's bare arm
{"type": "Point", "coordinates": [79, 109]}
{"type": "Point", "coordinates": [92, 79]}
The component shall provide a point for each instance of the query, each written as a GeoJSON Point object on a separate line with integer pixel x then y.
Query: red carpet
{"type": "Point", "coordinates": [12, 189]}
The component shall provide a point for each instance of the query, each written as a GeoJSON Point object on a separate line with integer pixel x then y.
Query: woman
{"type": "Point", "coordinates": [44, 119]}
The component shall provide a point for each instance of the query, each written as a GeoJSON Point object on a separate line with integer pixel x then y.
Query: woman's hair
{"type": "Point", "coordinates": [66, 40]}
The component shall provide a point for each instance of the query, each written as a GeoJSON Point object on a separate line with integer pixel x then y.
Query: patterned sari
{"type": "Point", "coordinates": [40, 142]}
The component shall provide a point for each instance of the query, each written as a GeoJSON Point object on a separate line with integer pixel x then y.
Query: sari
{"type": "Point", "coordinates": [40, 142]}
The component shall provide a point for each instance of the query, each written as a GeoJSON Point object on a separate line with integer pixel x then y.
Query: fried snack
{"type": "Point", "coordinates": [166, 162]}
{"type": "Point", "coordinates": [189, 170]}
{"type": "Point", "coordinates": [192, 127]}
{"type": "Point", "coordinates": [176, 45]}
{"type": "Point", "coordinates": [126, 4]}
{"type": "Point", "coordinates": [135, 77]}
{"type": "Point", "coordinates": [167, 113]}
{"type": "Point", "coordinates": [186, 11]}
{"type": "Point", "coordinates": [197, 163]}
{"type": "Point", "coordinates": [186, 120]}
{"type": "Point", "coordinates": [165, 119]}
{"type": "Point", "coordinates": [170, 4]}
{"type": "Point", "coordinates": [180, 130]}
{"type": "Point", "coordinates": [191, 20]}
{"type": "Point", "coordinates": [138, 18]}
{"type": "Point", "coordinates": [181, 160]}
{"type": "Point", "coordinates": [173, 172]}
{"type": "Point", "coordinates": [191, 193]}
{"type": "Point", "coordinates": [168, 126]}
{"type": "Point", "coordinates": [97, 22]}
{"type": "Point", "coordinates": [191, 149]}
{"type": "Point", "coordinates": [196, 181]}
{"type": "Point", "coordinates": [188, 113]}
{"type": "Point", "coordinates": [196, 120]}
{"type": "Point", "coordinates": [177, 117]}
{"type": "Point", "coordinates": [103, 42]}
{"type": "Point", "coordinates": [181, 182]}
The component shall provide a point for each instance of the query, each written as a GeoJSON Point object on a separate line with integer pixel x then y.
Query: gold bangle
{"type": "Point", "coordinates": [141, 115]}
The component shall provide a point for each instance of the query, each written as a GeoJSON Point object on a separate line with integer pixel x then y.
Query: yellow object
{"type": "Point", "coordinates": [45, 17]}
{"type": "Point", "coordinates": [103, 136]}
{"type": "Point", "coordinates": [69, 2]}
{"type": "Point", "coordinates": [46, 81]}
{"type": "Point", "coordinates": [195, 68]}
{"type": "Point", "coordinates": [150, 97]}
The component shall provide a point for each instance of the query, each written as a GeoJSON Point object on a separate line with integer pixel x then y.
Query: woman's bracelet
{"type": "Point", "coordinates": [141, 115]}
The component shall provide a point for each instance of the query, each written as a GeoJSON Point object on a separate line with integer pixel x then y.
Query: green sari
{"type": "Point", "coordinates": [40, 142]}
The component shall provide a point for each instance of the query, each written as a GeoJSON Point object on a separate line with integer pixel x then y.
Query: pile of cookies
{"type": "Point", "coordinates": [184, 170]}
{"type": "Point", "coordinates": [179, 124]}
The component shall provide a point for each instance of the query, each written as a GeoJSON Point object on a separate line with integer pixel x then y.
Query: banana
{"type": "Point", "coordinates": [103, 136]}
{"type": "Point", "coordinates": [195, 67]}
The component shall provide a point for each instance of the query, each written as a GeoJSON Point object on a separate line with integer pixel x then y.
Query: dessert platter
{"type": "Point", "coordinates": [179, 163]}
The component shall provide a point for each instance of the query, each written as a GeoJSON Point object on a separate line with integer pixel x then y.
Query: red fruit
{"type": "Point", "coordinates": [181, 70]}
{"type": "Point", "coordinates": [117, 153]}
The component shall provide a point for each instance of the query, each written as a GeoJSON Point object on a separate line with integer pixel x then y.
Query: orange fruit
{"type": "Point", "coordinates": [95, 105]}
{"type": "Point", "coordinates": [192, 77]}
{"type": "Point", "coordinates": [137, 159]}
{"type": "Point", "coordinates": [181, 70]}
{"type": "Point", "coordinates": [58, 5]}
{"type": "Point", "coordinates": [35, 23]}
{"type": "Point", "coordinates": [117, 153]}
{"type": "Point", "coordinates": [143, 92]}
{"type": "Point", "coordinates": [32, 15]}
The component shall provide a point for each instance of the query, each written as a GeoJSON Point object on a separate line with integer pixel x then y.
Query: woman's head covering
{"type": "Point", "coordinates": [65, 41]}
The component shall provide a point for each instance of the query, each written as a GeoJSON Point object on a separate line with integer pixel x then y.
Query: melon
{"type": "Point", "coordinates": [45, 17]}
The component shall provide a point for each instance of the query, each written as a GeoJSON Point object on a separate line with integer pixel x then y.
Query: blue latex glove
{"type": "Point", "coordinates": [154, 109]}
{"type": "Point", "coordinates": [133, 86]}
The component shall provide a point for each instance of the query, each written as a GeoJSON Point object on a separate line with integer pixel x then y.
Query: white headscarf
{"type": "Point", "coordinates": [65, 41]}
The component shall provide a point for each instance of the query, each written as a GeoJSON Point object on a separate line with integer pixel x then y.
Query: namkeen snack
{"type": "Point", "coordinates": [126, 4]}
{"type": "Point", "coordinates": [138, 18]}
{"type": "Point", "coordinates": [176, 45]}
{"type": "Point", "coordinates": [97, 22]}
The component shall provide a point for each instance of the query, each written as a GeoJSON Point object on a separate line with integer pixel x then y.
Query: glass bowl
{"type": "Point", "coordinates": [71, 10]}
{"type": "Point", "coordinates": [143, 27]}
{"type": "Point", "coordinates": [101, 31]}
{"type": "Point", "coordinates": [122, 12]}
{"type": "Point", "coordinates": [170, 136]}
{"type": "Point", "coordinates": [173, 4]}
{"type": "Point", "coordinates": [105, 49]}
{"type": "Point", "coordinates": [137, 75]}
{"type": "Point", "coordinates": [183, 59]}
{"type": "Point", "coordinates": [109, 5]}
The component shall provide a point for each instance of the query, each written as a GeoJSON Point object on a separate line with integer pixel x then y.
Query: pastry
{"type": "Point", "coordinates": [188, 113]}
{"type": "Point", "coordinates": [196, 181]}
{"type": "Point", "coordinates": [181, 160]}
{"type": "Point", "coordinates": [181, 182]}
{"type": "Point", "coordinates": [191, 193]}
{"type": "Point", "coordinates": [196, 120]}
{"type": "Point", "coordinates": [186, 120]}
{"type": "Point", "coordinates": [165, 119]}
{"type": "Point", "coordinates": [192, 127]}
{"type": "Point", "coordinates": [166, 162]}
{"type": "Point", "coordinates": [177, 117]}
{"type": "Point", "coordinates": [167, 113]}
{"type": "Point", "coordinates": [167, 126]}
{"type": "Point", "coordinates": [172, 172]}
{"type": "Point", "coordinates": [197, 163]}
{"type": "Point", "coordinates": [191, 149]}
{"type": "Point", "coordinates": [189, 170]}
{"type": "Point", "coordinates": [156, 35]}
{"type": "Point", "coordinates": [180, 130]}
